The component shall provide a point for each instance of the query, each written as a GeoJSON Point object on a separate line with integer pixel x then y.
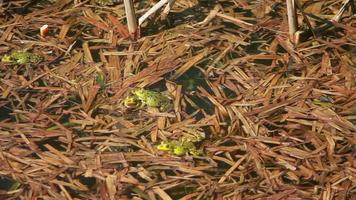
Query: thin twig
{"type": "Point", "coordinates": [152, 10]}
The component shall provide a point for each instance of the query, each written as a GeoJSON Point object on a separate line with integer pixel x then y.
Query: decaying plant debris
{"type": "Point", "coordinates": [279, 120]}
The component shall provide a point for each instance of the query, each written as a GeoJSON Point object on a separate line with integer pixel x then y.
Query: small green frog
{"type": "Point", "coordinates": [22, 57]}
{"type": "Point", "coordinates": [106, 2]}
{"type": "Point", "coordinates": [100, 79]}
{"type": "Point", "coordinates": [192, 135]}
{"type": "Point", "coordinates": [179, 148]}
{"type": "Point", "coordinates": [184, 145]}
{"type": "Point", "coordinates": [140, 97]}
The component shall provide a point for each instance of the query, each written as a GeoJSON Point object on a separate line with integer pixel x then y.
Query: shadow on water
{"type": "Point", "coordinates": [181, 191]}
{"type": "Point", "coordinates": [7, 184]}
{"type": "Point", "coordinates": [190, 81]}
{"type": "Point", "coordinates": [5, 112]}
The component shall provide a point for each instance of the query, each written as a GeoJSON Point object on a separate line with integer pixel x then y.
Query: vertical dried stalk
{"type": "Point", "coordinates": [292, 18]}
{"type": "Point", "coordinates": [346, 3]}
{"type": "Point", "coordinates": [167, 8]}
{"type": "Point", "coordinates": [131, 16]}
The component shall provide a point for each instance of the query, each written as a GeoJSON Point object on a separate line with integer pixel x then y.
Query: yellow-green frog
{"type": "Point", "coordinates": [179, 148]}
{"type": "Point", "coordinates": [106, 2]}
{"type": "Point", "coordinates": [185, 145]}
{"type": "Point", "coordinates": [140, 97]}
{"type": "Point", "coordinates": [22, 57]}
{"type": "Point", "coordinates": [192, 135]}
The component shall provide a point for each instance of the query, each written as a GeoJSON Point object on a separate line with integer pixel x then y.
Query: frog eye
{"type": "Point", "coordinates": [164, 146]}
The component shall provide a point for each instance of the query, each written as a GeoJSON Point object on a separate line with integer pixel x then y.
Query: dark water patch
{"type": "Point", "coordinates": [54, 142]}
{"type": "Point", "coordinates": [90, 182]}
{"type": "Point", "coordinates": [5, 112]}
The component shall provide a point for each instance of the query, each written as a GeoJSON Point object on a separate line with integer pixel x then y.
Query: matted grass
{"type": "Point", "coordinates": [279, 119]}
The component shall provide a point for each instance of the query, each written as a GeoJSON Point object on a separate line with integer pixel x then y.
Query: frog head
{"type": "Point", "coordinates": [7, 59]}
{"type": "Point", "coordinates": [132, 101]}
{"type": "Point", "coordinates": [165, 146]}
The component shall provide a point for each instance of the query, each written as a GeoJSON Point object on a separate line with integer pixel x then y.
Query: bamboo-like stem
{"type": "Point", "coordinates": [167, 8]}
{"type": "Point", "coordinates": [131, 16]}
{"type": "Point", "coordinates": [151, 11]}
{"type": "Point", "coordinates": [292, 18]}
{"type": "Point", "coordinates": [346, 3]}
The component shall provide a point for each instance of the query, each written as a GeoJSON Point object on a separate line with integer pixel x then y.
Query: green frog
{"type": "Point", "coordinates": [192, 135]}
{"type": "Point", "coordinates": [100, 79]}
{"type": "Point", "coordinates": [140, 97]}
{"type": "Point", "coordinates": [22, 57]}
{"type": "Point", "coordinates": [185, 145]}
{"type": "Point", "coordinates": [106, 2]}
{"type": "Point", "coordinates": [179, 148]}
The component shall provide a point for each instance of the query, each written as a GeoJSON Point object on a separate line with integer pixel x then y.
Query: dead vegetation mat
{"type": "Point", "coordinates": [279, 118]}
